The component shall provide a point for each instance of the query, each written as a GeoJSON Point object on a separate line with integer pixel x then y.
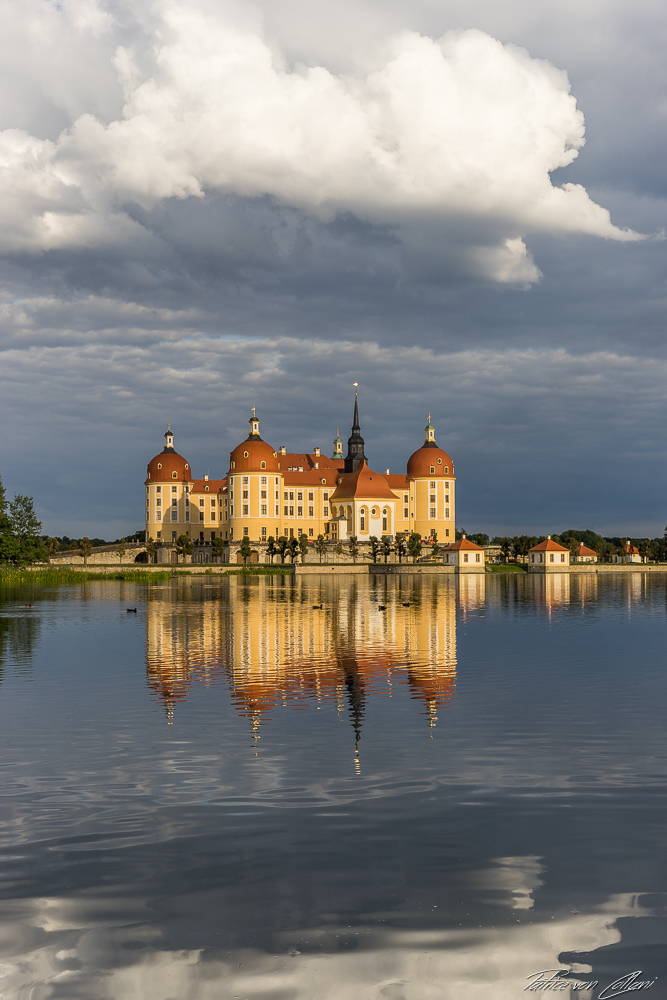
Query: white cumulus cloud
{"type": "Point", "coordinates": [459, 134]}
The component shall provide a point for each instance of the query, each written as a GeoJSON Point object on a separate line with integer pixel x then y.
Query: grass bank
{"type": "Point", "coordinates": [507, 568]}
{"type": "Point", "coordinates": [52, 577]}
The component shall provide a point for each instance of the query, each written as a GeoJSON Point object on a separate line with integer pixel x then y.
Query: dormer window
{"type": "Point", "coordinates": [174, 475]}
{"type": "Point", "coordinates": [159, 465]}
{"type": "Point", "coordinates": [432, 469]}
{"type": "Point", "coordinates": [262, 465]}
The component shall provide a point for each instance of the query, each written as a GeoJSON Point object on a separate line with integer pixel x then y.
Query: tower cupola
{"type": "Point", "coordinates": [429, 431]}
{"type": "Point", "coordinates": [254, 427]}
{"type": "Point", "coordinates": [355, 443]}
{"type": "Point", "coordinates": [338, 447]}
{"type": "Point", "coordinates": [168, 439]}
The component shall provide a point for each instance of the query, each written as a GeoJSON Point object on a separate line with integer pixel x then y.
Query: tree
{"type": "Point", "coordinates": [572, 545]}
{"type": "Point", "coordinates": [26, 529]}
{"type": "Point", "coordinates": [506, 547]}
{"type": "Point", "coordinates": [120, 549]}
{"type": "Point", "coordinates": [52, 545]}
{"type": "Point", "coordinates": [415, 545]}
{"type": "Point", "coordinates": [386, 546]}
{"type": "Point", "coordinates": [435, 548]}
{"type": "Point", "coordinates": [645, 549]}
{"type": "Point", "coordinates": [459, 533]}
{"type": "Point", "coordinates": [85, 548]}
{"type": "Point", "coordinates": [8, 547]}
{"type": "Point", "coordinates": [271, 548]}
{"type": "Point", "coordinates": [184, 546]}
{"type": "Point", "coordinates": [245, 549]}
{"type": "Point", "coordinates": [320, 546]}
{"type": "Point", "coordinates": [375, 547]}
{"type": "Point", "coordinates": [353, 546]}
{"type": "Point", "coordinates": [218, 546]}
{"type": "Point", "coordinates": [339, 551]}
{"type": "Point", "coordinates": [282, 547]}
{"type": "Point", "coordinates": [292, 546]}
{"type": "Point", "coordinates": [400, 547]}
{"type": "Point", "coordinates": [303, 547]}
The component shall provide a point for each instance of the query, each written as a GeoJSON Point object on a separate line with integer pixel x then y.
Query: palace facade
{"type": "Point", "coordinates": [269, 492]}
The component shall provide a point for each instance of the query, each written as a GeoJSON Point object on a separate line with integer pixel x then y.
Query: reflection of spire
{"type": "Point", "coordinates": [356, 700]}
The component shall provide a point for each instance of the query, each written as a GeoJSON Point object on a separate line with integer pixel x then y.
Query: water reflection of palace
{"type": "Point", "coordinates": [274, 646]}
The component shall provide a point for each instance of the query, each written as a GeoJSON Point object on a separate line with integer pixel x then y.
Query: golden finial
{"type": "Point", "coordinates": [168, 426]}
{"type": "Point", "coordinates": [253, 411]}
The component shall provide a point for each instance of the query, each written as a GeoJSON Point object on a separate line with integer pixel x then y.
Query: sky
{"type": "Point", "coordinates": [461, 206]}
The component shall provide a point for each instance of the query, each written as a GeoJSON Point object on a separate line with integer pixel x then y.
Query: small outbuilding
{"type": "Point", "coordinates": [583, 554]}
{"type": "Point", "coordinates": [465, 555]}
{"type": "Point", "coordinates": [548, 556]}
{"type": "Point", "coordinates": [627, 554]}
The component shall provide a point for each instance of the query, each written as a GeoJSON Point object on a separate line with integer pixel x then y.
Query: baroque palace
{"type": "Point", "coordinates": [269, 492]}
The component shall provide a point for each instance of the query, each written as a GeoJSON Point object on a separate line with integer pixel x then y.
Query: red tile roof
{"type": "Point", "coordinates": [582, 550]}
{"type": "Point", "coordinates": [463, 543]}
{"type": "Point", "coordinates": [363, 482]}
{"type": "Point", "coordinates": [548, 546]}
{"type": "Point", "coordinates": [214, 485]}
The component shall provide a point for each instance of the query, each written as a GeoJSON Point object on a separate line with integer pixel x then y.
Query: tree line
{"type": "Point", "coordinates": [516, 547]}
{"type": "Point", "coordinates": [20, 530]}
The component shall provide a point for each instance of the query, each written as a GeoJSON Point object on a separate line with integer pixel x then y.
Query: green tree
{"type": "Point", "coordinates": [459, 533]}
{"type": "Point", "coordinates": [400, 547]}
{"type": "Point", "coordinates": [292, 547]}
{"type": "Point", "coordinates": [85, 548]}
{"type": "Point", "coordinates": [245, 549]}
{"type": "Point", "coordinates": [375, 547]}
{"type": "Point", "coordinates": [120, 549]}
{"type": "Point", "coordinates": [303, 547]}
{"type": "Point", "coordinates": [320, 546]}
{"type": "Point", "coordinates": [282, 547]}
{"type": "Point", "coordinates": [271, 548]}
{"type": "Point", "coordinates": [415, 545]}
{"type": "Point", "coordinates": [386, 546]}
{"type": "Point", "coordinates": [353, 546]}
{"type": "Point", "coordinates": [8, 546]}
{"type": "Point", "coordinates": [645, 549]}
{"type": "Point", "coordinates": [218, 546]}
{"type": "Point", "coordinates": [184, 546]}
{"type": "Point", "coordinates": [26, 529]}
{"type": "Point", "coordinates": [339, 551]}
{"type": "Point", "coordinates": [52, 545]}
{"type": "Point", "coordinates": [435, 548]}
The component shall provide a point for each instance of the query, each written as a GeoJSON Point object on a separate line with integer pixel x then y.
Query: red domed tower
{"type": "Point", "coordinates": [168, 483]}
{"type": "Point", "coordinates": [254, 484]}
{"type": "Point", "coordinates": [432, 473]}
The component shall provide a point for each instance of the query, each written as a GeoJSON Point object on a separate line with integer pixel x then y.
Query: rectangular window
{"type": "Point", "coordinates": [174, 489]}
{"type": "Point", "coordinates": [245, 480]}
{"type": "Point", "coordinates": [562, 557]}
{"type": "Point", "coordinates": [286, 510]}
{"type": "Point", "coordinates": [291, 512]}
{"type": "Point", "coordinates": [277, 509]}
{"type": "Point", "coordinates": [310, 532]}
{"type": "Point", "coordinates": [174, 514]}
{"type": "Point", "coordinates": [299, 512]}
{"type": "Point", "coordinates": [477, 555]}
{"type": "Point", "coordinates": [325, 496]}
{"type": "Point", "coordinates": [158, 489]}
{"type": "Point", "coordinates": [263, 510]}
{"type": "Point", "coordinates": [362, 524]}
{"type": "Point", "coordinates": [173, 536]}
{"type": "Point", "coordinates": [212, 502]}
{"type": "Point", "coordinates": [174, 501]}
{"type": "Point", "coordinates": [310, 512]}
{"type": "Point", "coordinates": [326, 511]}
{"type": "Point", "coordinates": [159, 502]}
{"type": "Point", "coordinates": [551, 557]}
{"type": "Point", "coordinates": [285, 532]}
{"type": "Point", "coordinates": [245, 509]}
{"type": "Point", "coordinates": [299, 496]}
{"type": "Point", "coordinates": [291, 494]}
{"type": "Point", "coordinates": [231, 510]}
{"type": "Point", "coordinates": [405, 498]}
{"type": "Point", "coordinates": [285, 496]}
{"type": "Point", "coordinates": [263, 495]}
{"type": "Point", "coordinates": [465, 557]}
{"type": "Point", "coordinates": [446, 532]}
{"type": "Point", "coordinates": [432, 511]}
{"type": "Point", "coordinates": [245, 494]}
{"type": "Point", "coordinates": [187, 514]}
{"type": "Point", "coordinates": [384, 523]}
{"type": "Point", "coordinates": [201, 501]}
{"type": "Point", "coordinates": [212, 515]}
{"type": "Point", "coordinates": [446, 513]}
{"type": "Point", "coordinates": [263, 532]}
{"type": "Point", "coordinates": [245, 531]}
{"type": "Point", "coordinates": [310, 496]}
{"type": "Point", "coordinates": [431, 486]}
{"type": "Point", "coordinates": [263, 481]}
{"type": "Point", "coordinates": [432, 497]}
{"type": "Point", "coordinates": [158, 516]}
{"type": "Point", "coordinates": [405, 512]}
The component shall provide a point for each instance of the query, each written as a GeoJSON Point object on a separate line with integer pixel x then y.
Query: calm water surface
{"type": "Point", "coordinates": [232, 794]}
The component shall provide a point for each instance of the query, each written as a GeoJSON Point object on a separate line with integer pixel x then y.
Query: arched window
{"type": "Point", "coordinates": [362, 519]}
{"type": "Point", "coordinates": [174, 475]}
{"type": "Point", "coordinates": [262, 465]}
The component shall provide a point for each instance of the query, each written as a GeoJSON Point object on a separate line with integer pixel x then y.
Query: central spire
{"type": "Point", "coordinates": [355, 442]}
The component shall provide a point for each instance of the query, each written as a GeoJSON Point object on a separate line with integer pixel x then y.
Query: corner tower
{"type": "Point", "coordinates": [355, 443]}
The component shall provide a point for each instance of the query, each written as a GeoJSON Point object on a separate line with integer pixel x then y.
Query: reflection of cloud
{"type": "Point", "coordinates": [106, 951]}
{"type": "Point", "coordinates": [275, 649]}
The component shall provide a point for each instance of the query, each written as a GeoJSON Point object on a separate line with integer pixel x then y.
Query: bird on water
{"type": "Point", "coordinates": [131, 611]}
{"type": "Point", "coordinates": [382, 607]}
{"type": "Point", "coordinates": [318, 607]}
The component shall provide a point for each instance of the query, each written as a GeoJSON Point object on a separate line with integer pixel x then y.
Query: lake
{"type": "Point", "coordinates": [234, 794]}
